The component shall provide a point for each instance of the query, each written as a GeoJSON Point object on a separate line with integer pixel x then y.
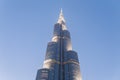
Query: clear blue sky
{"type": "Point", "coordinates": [26, 26]}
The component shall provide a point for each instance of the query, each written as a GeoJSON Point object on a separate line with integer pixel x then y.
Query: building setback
{"type": "Point", "coordinates": [61, 62]}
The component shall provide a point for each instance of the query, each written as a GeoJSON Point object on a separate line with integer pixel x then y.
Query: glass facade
{"type": "Point", "coordinates": [61, 62]}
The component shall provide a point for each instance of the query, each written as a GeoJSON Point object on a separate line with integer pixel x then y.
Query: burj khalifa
{"type": "Point", "coordinates": [61, 61]}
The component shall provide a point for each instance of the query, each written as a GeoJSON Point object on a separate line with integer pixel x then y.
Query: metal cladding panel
{"type": "Point", "coordinates": [57, 30]}
{"type": "Point", "coordinates": [49, 64]}
{"type": "Point", "coordinates": [52, 59]}
{"type": "Point", "coordinates": [74, 70]}
{"type": "Point", "coordinates": [67, 44]}
{"type": "Point", "coordinates": [51, 50]}
{"type": "Point", "coordinates": [72, 55]}
{"type": "Point", "coordinates": [56, 72]}
{"type": "Point", "coordinates": [55, 67]}
{"type": "Point", "coordinates": [66, 33]}
{"type": "Point", "coordinates": [66, 72]}
{"type": "Point", "coordinates": [51, 53]}
{"type": "Point", "coordinates": [65, 57]}
{"type": "Point", "coordinates": [45, 74]}
{"type": "Point", "coordinates": [71, 66]}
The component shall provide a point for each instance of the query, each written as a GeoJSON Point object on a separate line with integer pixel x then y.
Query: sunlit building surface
{"type": "Point", "coordinates": [61, 62]}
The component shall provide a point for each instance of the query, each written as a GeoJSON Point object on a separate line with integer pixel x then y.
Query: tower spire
{"type": "Point", "coordinates": [61, 11]}
{"type": "Point", "coordinates": [61, 19]}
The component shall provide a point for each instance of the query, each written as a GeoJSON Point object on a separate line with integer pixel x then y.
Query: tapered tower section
{"type": "Point", "coordinates": [61, 62]}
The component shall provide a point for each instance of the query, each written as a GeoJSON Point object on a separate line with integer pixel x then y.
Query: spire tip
{"type": "Point", "coordinates": [61, 10]}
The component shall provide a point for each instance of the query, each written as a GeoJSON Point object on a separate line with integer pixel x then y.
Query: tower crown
{"type": "Point", "coordinates": [61, 19]}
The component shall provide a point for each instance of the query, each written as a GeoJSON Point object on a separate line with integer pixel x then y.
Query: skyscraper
{"type": "Point", "coordinates": [61, 62]}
